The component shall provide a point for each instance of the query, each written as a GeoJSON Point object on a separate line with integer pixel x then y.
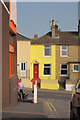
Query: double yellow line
{"type": "Point", "coordinates": [51, 107]}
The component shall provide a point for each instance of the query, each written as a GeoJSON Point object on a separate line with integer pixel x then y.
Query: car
{"type": "Point", "coordinates": [75, 102]}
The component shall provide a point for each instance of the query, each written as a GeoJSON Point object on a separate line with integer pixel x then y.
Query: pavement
{"type": "Point", "coordinates": [29, 109]}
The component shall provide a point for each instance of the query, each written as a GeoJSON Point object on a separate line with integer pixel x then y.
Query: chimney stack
{"type": "Point", "coordinates": [54, 29]}
{"type": "Point", "coordinates": [79, 28]}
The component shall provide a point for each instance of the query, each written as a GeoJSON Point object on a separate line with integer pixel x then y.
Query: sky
{"type": "Point", "coordinates": [34, 17]}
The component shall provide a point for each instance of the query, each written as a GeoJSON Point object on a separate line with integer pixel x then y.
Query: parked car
{"type": "Point", "coordinates": [75, 103]}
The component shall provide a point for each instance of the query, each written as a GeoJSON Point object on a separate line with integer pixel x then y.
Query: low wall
{"type": "Point", "coordinates": [69, 87]}
{"type": "Point", "coordinates": [49, 84]}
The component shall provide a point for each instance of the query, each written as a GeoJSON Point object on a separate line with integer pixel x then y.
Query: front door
{"type": "Point", "coordinates": [35, 71]}
{"type": "Point", "coordinates": [36, 74]}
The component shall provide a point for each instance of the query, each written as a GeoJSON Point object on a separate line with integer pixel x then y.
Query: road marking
{"type": "Point", "coordinates": [52, 106]}
{"type": "Point", "coordinates": [49, 106]}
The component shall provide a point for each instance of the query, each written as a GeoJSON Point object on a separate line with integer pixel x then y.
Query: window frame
{"type": "Point", "coordinates": [44, 51]}
{"type": "Point", "coordinates": [23, 76]}
{"type": "Point", "coordinates": [43, 70]}
{"type": "Point", "coordinates": [64, 69]}
{"type": "Point", "coordinates": [67, 50]}
{"type": "Point", "coordinates": [25, 65]}
{"type": "Point", "coordinates": [75, 70]}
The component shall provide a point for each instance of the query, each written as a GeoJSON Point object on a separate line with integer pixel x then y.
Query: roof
{"type": "Point", "coordinates": [22, 38]}
{"type": "Point", "coordinates": [69, 38]}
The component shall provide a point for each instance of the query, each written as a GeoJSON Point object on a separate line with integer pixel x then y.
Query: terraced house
{"type": "Point", "coordinates": [52, 59]}
{"type": "Point", "coordinates": [23, 59]}
{"type": "Point", "coordinates": [55, 59]}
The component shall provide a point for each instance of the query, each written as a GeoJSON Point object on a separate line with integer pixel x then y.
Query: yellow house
{"type": "Point", "coordinates": [42, 65]}
{"type": "Point", "coordinates": [23, 59]}
{"type": "Point", "coordinates": [43, 62]}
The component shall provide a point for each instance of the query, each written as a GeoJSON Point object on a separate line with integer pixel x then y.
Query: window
{"type": "Point", "coordinates": [47, 70]}
{"type": "Point", "coordinates": [75, 68]}
{"type": "Point", "coordinates": [23, 72]}
{"type": "Point", "coordinates": [23, 66]}
{"type": "Point", "coordinates": [11, 58]}
{"type": "Point", "coordinates": [47, 50]}
{"type": "Point", "coordinates": [64, 70]}
{"type": "Point", "coordinates": [64, 51]}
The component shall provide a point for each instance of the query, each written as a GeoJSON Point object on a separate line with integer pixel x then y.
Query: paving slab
{"type": "Point", "coordinates": [25, 109]}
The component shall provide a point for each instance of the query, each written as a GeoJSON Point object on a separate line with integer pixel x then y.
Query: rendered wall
{"type": "Point", "coordinates": [5, 58]}
{"type": "Point", "coordinates": [36, 52]}
{"type": "Point", "coordinates": [23, 55]}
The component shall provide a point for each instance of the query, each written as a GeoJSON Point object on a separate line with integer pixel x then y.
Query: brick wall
{"type": "Point", "coordinates": [73, 56]}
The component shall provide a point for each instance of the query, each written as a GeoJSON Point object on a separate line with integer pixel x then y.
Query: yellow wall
{"type": "Point", "coordinates": [36, 53]}
{"type": "Point", "coordinates": [23, 55]}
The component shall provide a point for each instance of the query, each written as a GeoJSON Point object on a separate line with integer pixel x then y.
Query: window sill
{"type": "Point", "coordinates": [64, 75]}
{"type": "Point", "coordinates": [47, 56]}
{"type": "Point", "coordinates": [46, 75]}
{"type": "Point", "coordinates": [64, 56]}
{"type": "Point", "coordinates": [76, 71]}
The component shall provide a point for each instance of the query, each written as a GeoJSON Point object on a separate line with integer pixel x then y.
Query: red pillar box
{"type": "Point", "coordinates": [33, 82]}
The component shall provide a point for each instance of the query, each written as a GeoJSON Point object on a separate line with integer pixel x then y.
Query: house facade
{"type": "Point", "coordinates": [52, 60]}
{"type": "Point", "coordinates": [23, 59]}
{"type": "Point", "coordinates": [9, 55]}
{"type": "Point", "coordinates": [57, 56]}
{"type": "Point", "coordinates": [42, 66]}
{"type": "Point", "coordinates": [67, 61]}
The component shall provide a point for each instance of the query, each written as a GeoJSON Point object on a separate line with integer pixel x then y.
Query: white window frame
{"type": "Point", "coordinates": [64, 50]}
{"type": "Point", "coordinates": [50, 70]}
{"type": "Point", "coordinates": [64, 69]}
{"type": "Point", "coordinates": [23, 71]}
{"type": "Point", "coordinates": [75, 70]}
{"type": "Point", "coordinates": [44, 51]}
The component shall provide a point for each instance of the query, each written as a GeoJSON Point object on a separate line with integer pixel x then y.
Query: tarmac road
{"type": "Point", "coordinates": [51, 104]}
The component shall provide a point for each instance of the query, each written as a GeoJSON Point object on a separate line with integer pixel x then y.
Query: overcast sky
{"type": "Point", "coordinates": [33, 18]}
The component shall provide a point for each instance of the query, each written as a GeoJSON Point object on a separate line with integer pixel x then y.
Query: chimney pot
{"type": "Point", "coordinates": [53, 23]}
{"type": "Point", "coordinates": [35, 35]}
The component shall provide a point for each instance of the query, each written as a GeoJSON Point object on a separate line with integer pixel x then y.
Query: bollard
{"type": "Point", "coordinates": [35, 92]}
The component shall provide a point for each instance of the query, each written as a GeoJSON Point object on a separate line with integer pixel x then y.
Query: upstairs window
{"type": "Point", "coordinates": [47, 51]}
{"type": "Point", "coordinates": [64, 70]}
{"type": "Point", "coordinates": [64, 51]}
{"type": "Point", "coordinates": [75, 68]}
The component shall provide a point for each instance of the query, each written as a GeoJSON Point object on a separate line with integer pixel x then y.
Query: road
{"type": "Point", "coordinates": [56, 104]}
{"type": "Point", "coordinates": [51, 104]}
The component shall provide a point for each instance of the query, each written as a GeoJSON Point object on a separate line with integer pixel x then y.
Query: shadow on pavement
{"type": "Point", "coordinates": [26, 101]}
